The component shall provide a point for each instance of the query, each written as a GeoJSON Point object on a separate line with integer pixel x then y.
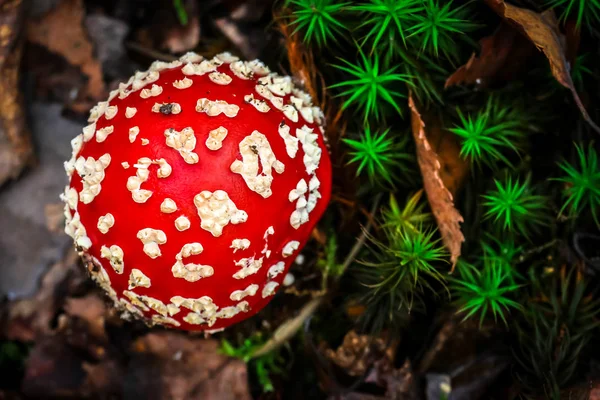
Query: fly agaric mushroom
{"type": "Point", "coordinates": [194, 187]}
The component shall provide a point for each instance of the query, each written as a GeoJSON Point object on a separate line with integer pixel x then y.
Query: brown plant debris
{"type": "Point", "coordinates": [16, 150]}
{"type": "Point", "coordinates": [62, 32]}
{"type": "Point", "coordinates": [501, 56]}
{"type": "Point", "coordinates": [543, 31]}
{"type": "Point", "coordinates": [454, 168]}
{"type": "Point", "coordinates": [31, 318]}
{"type": "Point", "coordinates": [90, 308]}
{"type": "Point", "coordinates": [439, 196]}
{"type": "Point", "coordinates": [301, 59]}
{"type": "Point", "coordinates": [180, 367]}
{"type": "Point", "coordinates": [358, 352]}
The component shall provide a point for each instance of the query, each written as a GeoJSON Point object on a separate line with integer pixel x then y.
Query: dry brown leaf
{"type": "Point", "coordinates": [182, 38]}
{"type": "Point", "coordinates": [454, 169]}
{"type": "Point", "coordinates": [543, 31]}
{"type": "Point", "coordinates": [62, 32]}
{"type": "Point", "coordinates": [175, 366]}
{"type": "Point", "coordinates": [92, 309]}
{"type": "Point", "coordinates": [502, 55]}
{"type": "Point", "coordinates": [440, 198]}
{"type": "Point", "coordinates": [31, 318]}
{"type": "Point", "coordinates": [16, 150]}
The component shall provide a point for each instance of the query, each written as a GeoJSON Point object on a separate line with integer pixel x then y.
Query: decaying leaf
{"type": "Point", "coordinates": [170, 365]}
{"type": "Point", "coordinates": [439, 196]}
{"type": "Point", "coordinates": [183, 38]}
{"type": "Point", "coordinates": [31, 318]}
{"type": "Point", "coordinates": [16, 150]}
{"type": "Point", "coordinates": [502, 55]}
{"type": "Point", "coordinates": [454, 168]}
{"type": "Point", "coordinates": [543, 31]}
{"type": "Point", "coordinates": [371, 358]}
{"type": "Point", "coordinates": [62, 32]}
{"type": "Point", "coordinates": [92, 309]}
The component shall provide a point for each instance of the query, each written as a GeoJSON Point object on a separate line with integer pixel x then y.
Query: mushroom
{"type": "Point", "coordinates": [194, 187]}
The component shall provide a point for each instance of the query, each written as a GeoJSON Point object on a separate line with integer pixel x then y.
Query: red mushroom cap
{"type": "Point", "coordinates": [194, 187]}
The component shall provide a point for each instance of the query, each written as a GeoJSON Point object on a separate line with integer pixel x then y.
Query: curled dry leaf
{"type": "Point", "coordinates": [62, 32]}
{"type": "Point", "coordinates": [543, 31]}
{"type": "Point", "coordinates": [501, 56]}
{"type": "Point", "coordinates": [15, 143]}
{"type": "Point", "coordinates": [440, 198]}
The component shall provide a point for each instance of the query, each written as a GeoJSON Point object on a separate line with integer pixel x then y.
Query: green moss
{"type": "Point", "coordinates": [484, 290]}
{"type": "Point", "coordinates": [318, 20]}
{"type": "Point", "coordinates": [379, 155]}
{"type": "Point", "coordinates": [582, 184]}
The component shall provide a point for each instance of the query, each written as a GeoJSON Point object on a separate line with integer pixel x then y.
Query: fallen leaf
{"type": "Point", "coordinates": [440, 198]}
{"type": "Point", "coordinates": [454, 168]}
{"type": "Point", "coordinates": [16, 150]}
{"type": "Point", "coordinates": [501, 56]}
{"type": "Point", "coordinates": [180, 39]}
{"type": "Point", "coordinates": [572, 41]}
{"type": "Point", "coordinates": [543, 31]}
{"type": "Point", "coordinates": [90, 308]}
{"type": "Point", "coordinates": [31, 318]}
{"type": "Point", "coordinates": [170, 365]}
{"type": "Point", "coordinates": [62, 31]}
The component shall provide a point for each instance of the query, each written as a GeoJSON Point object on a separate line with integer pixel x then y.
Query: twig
{"type": "Point", "coordinates": [363, 237]}
{"type": "Point", "coordinates": [288, 328]}
{"type": "Point", "coordinates": [537, 250]}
